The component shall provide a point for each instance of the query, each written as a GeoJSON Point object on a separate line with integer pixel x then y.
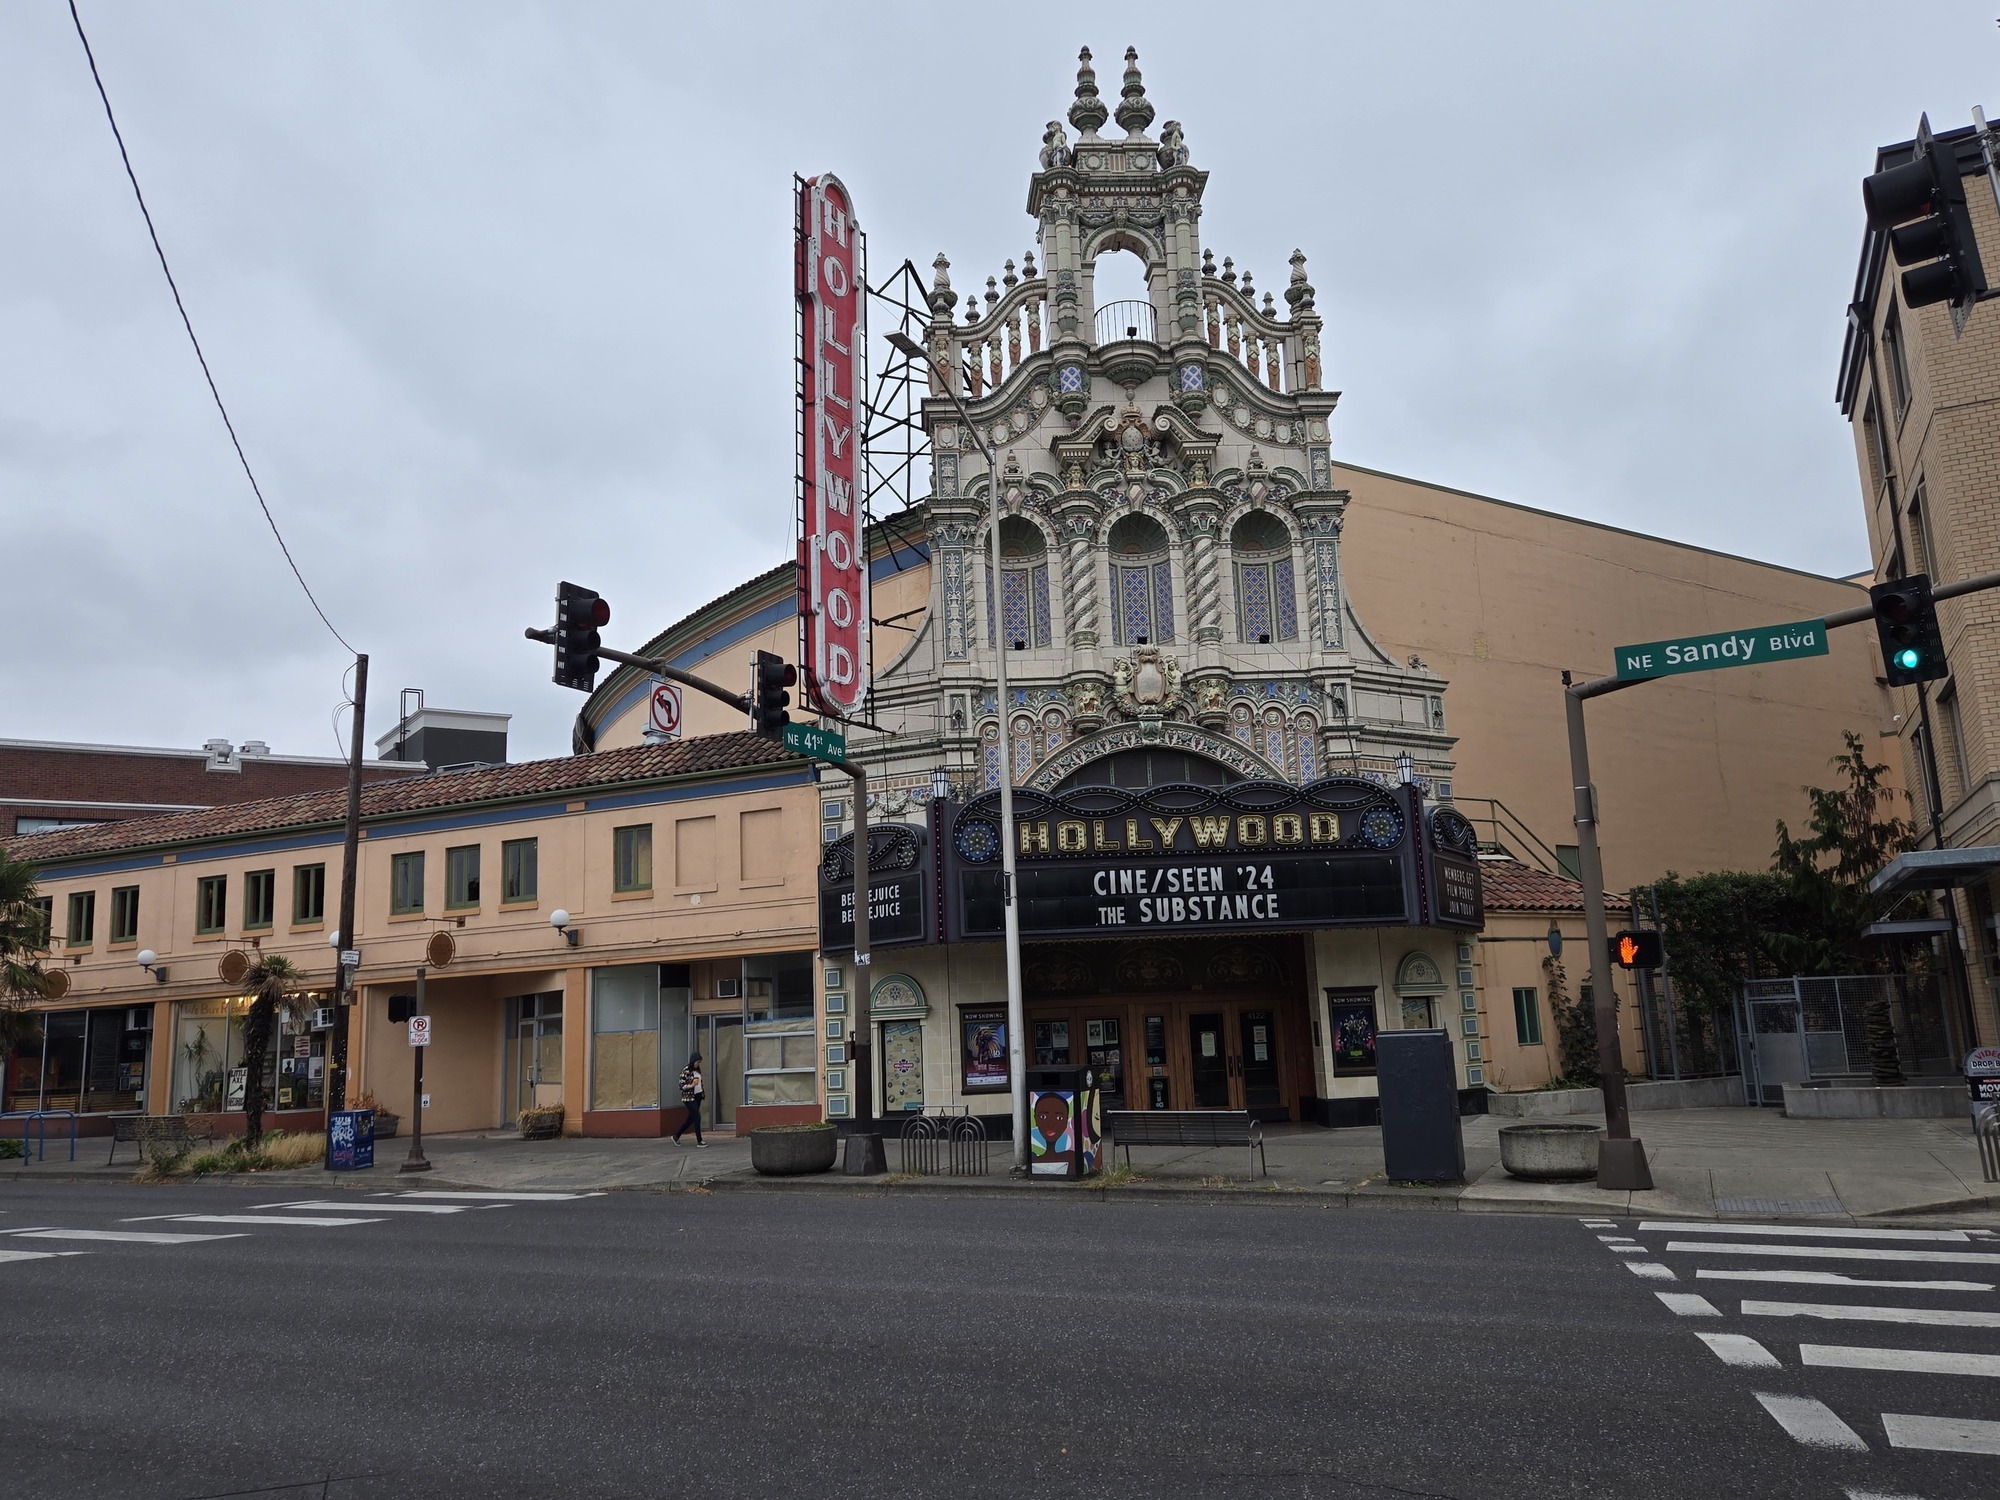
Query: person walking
{"type": "Point", "coordinates": [692, 1093]}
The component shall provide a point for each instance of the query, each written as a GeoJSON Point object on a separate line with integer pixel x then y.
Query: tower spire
{"type": "Point", "coordinates": [1088, 112]}
{"type": "Point", "coordinates": [1135, 110]}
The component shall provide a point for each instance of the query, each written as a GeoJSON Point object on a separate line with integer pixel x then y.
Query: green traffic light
{"type": "Point", "coordinates": [1908, 659]}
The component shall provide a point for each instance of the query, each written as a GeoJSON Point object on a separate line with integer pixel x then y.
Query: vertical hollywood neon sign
{"type": "Point", "coordinates": [832, 268]}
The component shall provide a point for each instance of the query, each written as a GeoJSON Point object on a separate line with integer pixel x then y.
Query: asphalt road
{"type": "Point", "coordinates": [761, 1345]}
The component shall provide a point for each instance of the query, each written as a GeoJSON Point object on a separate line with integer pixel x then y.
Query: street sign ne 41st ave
{"type": "Point", "coordinates": [1728, 648]}
{"type": "Point", "coordinates": [821, 744]}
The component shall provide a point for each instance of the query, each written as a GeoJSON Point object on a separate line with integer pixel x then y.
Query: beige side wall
{"type": "Point", "coordinates": [1510, 953]}
{"type": "Point", "coordinates": [1693, 771]}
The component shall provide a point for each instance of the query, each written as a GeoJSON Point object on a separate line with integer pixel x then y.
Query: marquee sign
{"type": "Point", "coordinates": [902, 888]}
{"type": "Point", "coordinates": [832, 288]}
{"type": "Point", "coordinates": [1104, 862]}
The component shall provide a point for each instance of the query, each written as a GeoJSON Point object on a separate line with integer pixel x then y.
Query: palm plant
{"type": "Point", "coordinates": [274, 988]}
{"type": "Point", "coordinates": [24, 938]}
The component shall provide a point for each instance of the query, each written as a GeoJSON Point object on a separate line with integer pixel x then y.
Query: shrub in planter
{"type": "Point", "coordinates": [542, 1123]}
{"type": "Point", "coordinates": [793, 1150]}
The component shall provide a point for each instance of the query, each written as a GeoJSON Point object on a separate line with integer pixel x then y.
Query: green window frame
{"type": "Point", "coordinates": [1528, 1015]}
{"type": "Point", "coordinates": [82, 919]}
{"type": "Point", "coordinates": [211, 903]}
{"type": "Point", "coordinates": [125, 914]}
{"type": "Point", "coordinates": [406, 884]}
{"type": "Point", "coordinates": [308, 893]}
{"type": "Point", "coordinates": [260, 898]}
{"type": "Point", "coordinates": [520, 870]}
{"type": "Point", "coordinates": [44, 908]}
{"type": "Point", "coordinates": [632, 858]}
{"type": "Point", "coordinates": [461, 877]}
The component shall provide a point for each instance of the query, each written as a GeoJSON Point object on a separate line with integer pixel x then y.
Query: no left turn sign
{"type": "Point", "coordinates": [664, 717]}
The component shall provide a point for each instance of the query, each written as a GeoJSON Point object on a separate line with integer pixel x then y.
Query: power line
{"type": "Point", "coordinates": [188, 324]}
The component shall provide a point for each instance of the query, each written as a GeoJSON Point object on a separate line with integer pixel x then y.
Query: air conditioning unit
{"type": "Point", "coordinates": [139, 1018]}
{"type": "Point", "coordinates": [322, 1018]}
{"type": "Point", "coordinates": [729, 989]}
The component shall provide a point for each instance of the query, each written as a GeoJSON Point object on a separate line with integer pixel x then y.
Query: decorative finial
{"type": "Point", "coordinates": [1207, 262]}
{"type": "Point", "coordinates": [1028, 270]}
{"type": "Point", "coordinates": [1270, 307]}
{"type": "Point", "coordinates": [1088, 112]}
{"type": "Point", "coordinates": [1229, 270]}
{"type": "Point", "coordinates": [1010, 280]}
{"type": "Point", "coordinates": [1135, 112]}
{"type": "Point", "coordinates": [1248, 290]}
{"type": "Point", "coordinates": [992, 296]}
{"type": "Point", "coordinates": [972, 308]}
{"type": "Point", "coordinates": [943, 298]}
{"type": "Point", "coordinates": [1299, 295]}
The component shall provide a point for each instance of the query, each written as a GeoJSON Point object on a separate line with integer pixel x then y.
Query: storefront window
{"type": "Point", "coordinates": [780, 1046]}
{"type": "Point", "coordinates": [89, 1061]}
{"type": "Point", "coordinates": [625, 1037]}
{"type": "Point", "coordinates": [209, 1073]}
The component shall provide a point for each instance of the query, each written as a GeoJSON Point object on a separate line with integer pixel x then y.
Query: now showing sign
{"type": "Point", "coordinates": [1730, 648]}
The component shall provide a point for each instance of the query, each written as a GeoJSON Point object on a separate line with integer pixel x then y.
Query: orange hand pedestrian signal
{"type": "Point", "coordinates": [1637, 950]}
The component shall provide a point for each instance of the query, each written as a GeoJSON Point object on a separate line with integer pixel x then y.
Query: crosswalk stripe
{"type": "Point", "coordinates": [1738, 1349]}
{"type": "Point", "coordinates": [508, 1197]}
{"type": "Point", "coordinates": [1801, 1231]}
{"type": "Point", "coordinates": [293, 1219]}
{"type": "Point", "coordinates": [1626, 1249]}
{"type": "Point", "coordinates": [1616, 1239]}
{"type": "Point", "coordinates": [1652, 1270]}
{"type": "Point", "coordinates": [377, 1206]}
{"type": "Point", "coordinates": [1935, 1317]}
{"type": "Point", "coordinates": [1834, 1278]}
{"type": "Point", "coordinates": [1910, 1361]}
{"type": "Point", "coordinates": [1835, 1252]}
{"type": "Point", "coordinates": [1942, 1434]}
{"type": "Point", "coordinates": [1689, 1305]}
{"type": "Point", "coordinates": [7, 1255]}
{"type": "Point", "coordinates": [1812, 1422]}
{"type": "Point", "coordinates": [1878, 1495]}
{"type": "Point", "coordinates": [125, 1236]}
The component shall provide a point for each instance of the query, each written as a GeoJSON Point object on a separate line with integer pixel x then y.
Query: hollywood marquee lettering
{"type": "Point", "coordinates": [833, 573]}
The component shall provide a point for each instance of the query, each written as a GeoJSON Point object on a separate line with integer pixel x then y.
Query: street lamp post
{"type": "Point", "coordinates": [1017, 1050]}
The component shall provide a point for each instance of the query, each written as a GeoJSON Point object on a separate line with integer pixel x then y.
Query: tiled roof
{"type": "Point", "coordinates": [705, 755]}
{"type": "Point", "coordinates": [1512, 886]}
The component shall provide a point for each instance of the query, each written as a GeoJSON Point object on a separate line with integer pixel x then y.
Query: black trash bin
{"type": "Point", "coordinates": [1063, 1121]}
{"type": "Point", "coordinates": [1417, 1078]}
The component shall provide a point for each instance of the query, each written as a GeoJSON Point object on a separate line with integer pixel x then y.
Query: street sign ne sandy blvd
{"type": "Point", "coordinates": [820, 744]}
{"type": "Point", "coordinates": [1728, 648]}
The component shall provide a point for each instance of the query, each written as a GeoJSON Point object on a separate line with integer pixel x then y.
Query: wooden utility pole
{"type": "Point", "coordinates": [336, 1065]}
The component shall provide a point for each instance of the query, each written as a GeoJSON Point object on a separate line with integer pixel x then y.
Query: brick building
{"type": "Point", "coordinates": [1921, 390]}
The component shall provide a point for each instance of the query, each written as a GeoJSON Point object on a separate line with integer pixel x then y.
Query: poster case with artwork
{"type": "Point", "coordinates": [982, 1048]}
{"type": "Point", "coordinates": [1351, 1019]}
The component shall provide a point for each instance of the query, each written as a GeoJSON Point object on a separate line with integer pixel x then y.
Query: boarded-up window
{"type": "Point", "coordinates": [625, 1037]}
{"type": "Point", "coordinates": [694, 854]}
{"type": "Point", "coordinates": [762, 834]}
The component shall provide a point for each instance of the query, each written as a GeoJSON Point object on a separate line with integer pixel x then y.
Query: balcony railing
{"type": "Point", "coordinates": [1118, 322]}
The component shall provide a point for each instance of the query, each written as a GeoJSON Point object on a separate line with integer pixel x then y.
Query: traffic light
{"type": "Point", "coordinates": [1922, 206]}
{"type": "Point", "coordinates": [1907, 623]}
{"type": "Point", "coordinates": [1637, 949]}
{"type": "Point", "coordinates": [768, 680]}
{"type": "Point", "coordinates": [579, 615]}
{"type": "Point", "coordinates": [402, 1007]}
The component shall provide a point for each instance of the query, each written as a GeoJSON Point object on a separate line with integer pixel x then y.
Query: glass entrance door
{"type": "Point", "coordinates": [719, 1039]}
{"type": "Point", "coordinates": [1258, 1062]}
{"type": "Point", "coordinates": [536, 1076]}
{"type": "Point", "coordinates": [1208, 1055]}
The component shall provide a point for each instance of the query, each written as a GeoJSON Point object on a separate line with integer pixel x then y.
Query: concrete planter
{"type": "Point", "coordinates": [1551, 1152]}
{"type": "Point", "coordinates": [1689, 1093]}
{"type": "Point", "coordinates": [1914, 1101]}
{"type": "Point", "coordinates": [793, 1151]}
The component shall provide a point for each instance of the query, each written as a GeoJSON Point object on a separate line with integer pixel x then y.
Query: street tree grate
{"type": "Point", "coordinates": [1779, 1206]}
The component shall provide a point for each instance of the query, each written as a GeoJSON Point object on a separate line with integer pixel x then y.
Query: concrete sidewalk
{"type": "Point", "coordinates": [1748, 1163]}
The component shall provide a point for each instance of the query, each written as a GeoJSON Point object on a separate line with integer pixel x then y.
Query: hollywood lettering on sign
{"type": "Point", "coordinates": [832, 290]}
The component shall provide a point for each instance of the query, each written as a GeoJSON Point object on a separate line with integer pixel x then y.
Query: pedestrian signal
{"type": "Point", "coordinates": [1637, 950]}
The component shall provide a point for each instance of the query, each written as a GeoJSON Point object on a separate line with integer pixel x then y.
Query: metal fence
{"type": "Point", "coordinates": [1682, 1042]}
{"type": "Point", "coordinates": [1800, 1030]}
{"type": "Point", "coordinates": [934, 1144]}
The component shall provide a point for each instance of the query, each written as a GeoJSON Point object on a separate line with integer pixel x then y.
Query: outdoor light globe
{"type": "Point", "coordinates": [146, 958]}
{"type": "Point", "coordinates": [559, 919]}
{"type": "Point", "coordinates": [333, 940]}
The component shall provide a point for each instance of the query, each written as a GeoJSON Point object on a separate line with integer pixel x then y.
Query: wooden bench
{"type": "Point", "coordinates": [167, 1135]}
{"type": "Point", "coordinates": [1187, 1127]}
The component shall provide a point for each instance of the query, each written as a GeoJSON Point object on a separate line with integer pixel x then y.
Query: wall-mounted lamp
{"type": "Point", "coordinates": [150, 962]}
{"type": "Point", "coordinates": [940, 785]}
{"type": "Point", "coordinates": [559, 919]}
{"type": "Point", "coordinates": [1406, 767]}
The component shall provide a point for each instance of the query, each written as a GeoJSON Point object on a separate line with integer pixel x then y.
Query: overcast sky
{"type": "Point", "coordinates": [499, 293]}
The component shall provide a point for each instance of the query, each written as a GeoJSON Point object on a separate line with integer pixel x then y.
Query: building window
{"type": "Point", "coordinates": [44, 925]}
{"type": "Point", "coordinates": [211, 903]}
{"type": "Point", "coordinates": [82, 919]}
{"type": "Point", "coordinates": [461, 876]}
{"type": "Point", "coordinates": [260, 898]}
{"type": "Point", "coordinates": [520, 874]}
{"type": "Point", "coordinates": [308, 893]}
{"type": "Point", "coordinates": [406, 884]}
{"type": "Point", "coordinates": [1142, 589]}
{"type": "Point", "coordinates": [780, 1045]}
{"type": "Point", "coordinates": [1266, 598]}
{"type": "Point", "coordinates": [1569, 859]}
{"type": "Point", "coordinates": [125, 914]}
{"type": "Point", "coordinates": [1954, 732]}
{"type": "Point", "coordinates": [1899, 370]}
{"type": "Point", "coordinates": [1031, 741]}
{"type": "Point", "coordinates": [1024, 588]}
{"type": "Point", "coordinates": [632, 858]}
{"type": "Point", "coordinates": [1528, 1016]}
{"type": "Point", "coordinates": [1922, 552]}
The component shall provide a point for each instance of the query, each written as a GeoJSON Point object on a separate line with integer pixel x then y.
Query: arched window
{"type": "Point", "coordinates": [1142, 585]}
{"type": "Point", "coordinates": [1266, 600]}
{"type": "Point", "coordinates": [1024, 587]}
{"type": "Point", "coordinates": [1030, 741]}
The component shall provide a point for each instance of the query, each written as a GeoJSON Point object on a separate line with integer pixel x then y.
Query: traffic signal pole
{"type": "Point", "coordinates": [1621, 1160]}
